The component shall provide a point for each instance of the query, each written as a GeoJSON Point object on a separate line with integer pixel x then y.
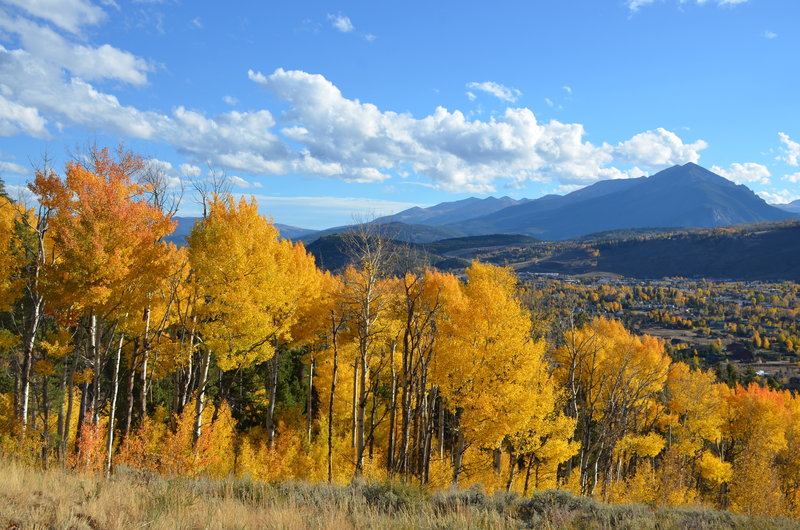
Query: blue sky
{"type": "Point", "coordinates": [325, 110]}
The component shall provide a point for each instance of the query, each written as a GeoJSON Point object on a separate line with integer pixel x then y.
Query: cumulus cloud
{"type": "Point", "coordinates": [161, 166]}
{"type": "Point", "coordinates": [322, 133]}
{"type": "Point", "coordinates": [230, 100]}
{"type": "Point", "coordinates": [34, 89]}
{"type": "Point", "coordinates": [349, 139]}
{"type": "Point", "coordinates": [341, 23]}
{"type": "Point", "coordinates": [70, 15]}
{"type": "Point", "coordinates": [747, 173]}
{"type": "Point", "coordinates": [14, 168]}
{"type": "Point", "coordinates": [16, 118]}
{"type": "Point", "coordinates": [87, 62]}
{"type": "Point", "coordinates": [791, 150]}
{"type": "Point", "coordinates": [658, 148]}
{"type": "Point", "coordinates": [779, 197]}
{"type": "Point", "coordinates": [794, 178]}
{"type": "Point", "coordinates": [190, 171]}
{"type": "Point", "coordinates": [497, 90]}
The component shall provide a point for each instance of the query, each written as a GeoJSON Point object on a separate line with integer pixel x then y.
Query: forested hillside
{"type": "Point", "coordinates": [237, 356]}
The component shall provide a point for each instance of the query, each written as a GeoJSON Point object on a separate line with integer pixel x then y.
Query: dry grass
{"type": "Point", "coordinates": [33, 498]}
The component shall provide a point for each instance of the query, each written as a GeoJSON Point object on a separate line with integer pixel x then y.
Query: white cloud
{"type": "Point", "coordinates": [791, 150]}
{"type": "Point", "coordinates": [471, 96]}
{"type": "Point", "coordinates": [88, 63]}
{"type": "Point", "coordinates": [549, 102]}
{"type": "Point", "coordinates": [190, 171]}
{"type": "Point", "coordinates": [634, 5]}
{"type": "Point", "coordinates": [11, 167]}
{"type": "Point", "coordinates": [356, 141]}
{"type": "Point", "coordinates": [779, 197]}
{"type": "Point", "coordinates": [197, 22]}
{"type": "Point", "coordinates": [16, 118]}
{"type": "Point", "coordinates": [658, 148]}
{"type": "Point", "coordinates": [369, 37]}
{"type": "Point", "coordinates": [341, 23]}
{"type": "Point", "coordinates": [323, 133]}
{"type": "Point", "coordinates": [769, 34]}
{"type": "Point", "coordinates": [230, 100]}
{"type": "Point", "coordinates": [497, 90]}
{"type": "Point", "coordinates": [21, 194]}
{"type": "Point", "coordinates": [794, 178]}
{"type": "Point", "coordinates": [238, 182]}
{"type": "Point", "coordinates": [66, 14]}
{"type": "Point", "coordinates": [162, 166]}
{"type": "Point", "coordinates": [567, 89]}
{"type": "Point", "coordinates": [747, 173]}
{"type": "Point", "coordinates": [343, 204]}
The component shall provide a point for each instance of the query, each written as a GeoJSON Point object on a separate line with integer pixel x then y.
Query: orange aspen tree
{"type": "Point", "coordinates": [106, 238]}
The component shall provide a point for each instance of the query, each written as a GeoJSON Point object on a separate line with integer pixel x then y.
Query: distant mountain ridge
{"type": "Point", "coordinates": [451, 212]}
{"type": "Point", "coordinates": [793, 206]}
{"type": "Point", "coordinates": [681, 196]}
{"type": "Point", "coordinates": [185, 225]}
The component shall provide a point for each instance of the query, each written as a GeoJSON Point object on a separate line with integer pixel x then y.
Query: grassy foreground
{"type": "Point", "coordinates": [32, 498]}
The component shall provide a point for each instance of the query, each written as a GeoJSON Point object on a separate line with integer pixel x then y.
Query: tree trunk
{"type": "Point", "coordinates": [201, 395]}
{"type": "Point", "coordinates": [527, 476]}
{"type": "Point", "coordinates": [513, 461]}
{"type": "Point", "coordinates": [45, 422]}
{"type": "Point", "coordinates": [441, 427]}
{"type": "Point", "coordinates": [130, 392]}
{"type": "Point", "coordinates": [309, 410]}
{"type": "Point", "coordinates": [330, 402]}
{"type": "Point", "coordinates": [355, 402]}
{"type": "Point", "coordinates": [113, 412]}
{"type": "Point", "coordinates": [94, 353]}
{"type": "Point", "coordinates": [70, 399]}
{"type": "Point", "coordinates": [405, 404]}
{"type": "Point", "coordinates": [145, 359]}
{"type": "Point", "coordinates": [273, 396]}
{"type": "Point", "coordinates": [62, 388]}
{"type": "Point", "coordinates": [29, 337]}
{"type": "Point", "coordinates": [392, 417]}
{"type": "Point", "coordinates": [27, 362]}
{"type": "Point", "coordinates": [82, 411]}
{"type": "Point", "coordinates": [458, 455]}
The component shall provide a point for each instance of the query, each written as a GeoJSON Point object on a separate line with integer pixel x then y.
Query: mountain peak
{"type": "Point", "coordinates": [687, 195]}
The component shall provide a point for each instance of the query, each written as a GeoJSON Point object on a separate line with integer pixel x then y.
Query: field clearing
{"type": "Point", "coordinates": [34, 498]}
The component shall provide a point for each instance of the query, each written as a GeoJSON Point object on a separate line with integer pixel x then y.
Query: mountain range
{"type": "Point", "coordinates": [185, 225]}
{"type": "Point", "coordinates": [687, 196]}
{"type": "Point", "coordinates": [793, 206]}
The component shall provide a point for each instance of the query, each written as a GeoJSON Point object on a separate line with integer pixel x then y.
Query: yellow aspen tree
{"type": "Point", "coordinates": [10, 259]}
{"type": "Point", "coordinates": [756, 426]}
{"type": "Point", "coordinates": [250, 285]}
{"type": "Point", "coordinates": [612, 380]}
{"type": "Point", "coordinates": [487, 367]}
